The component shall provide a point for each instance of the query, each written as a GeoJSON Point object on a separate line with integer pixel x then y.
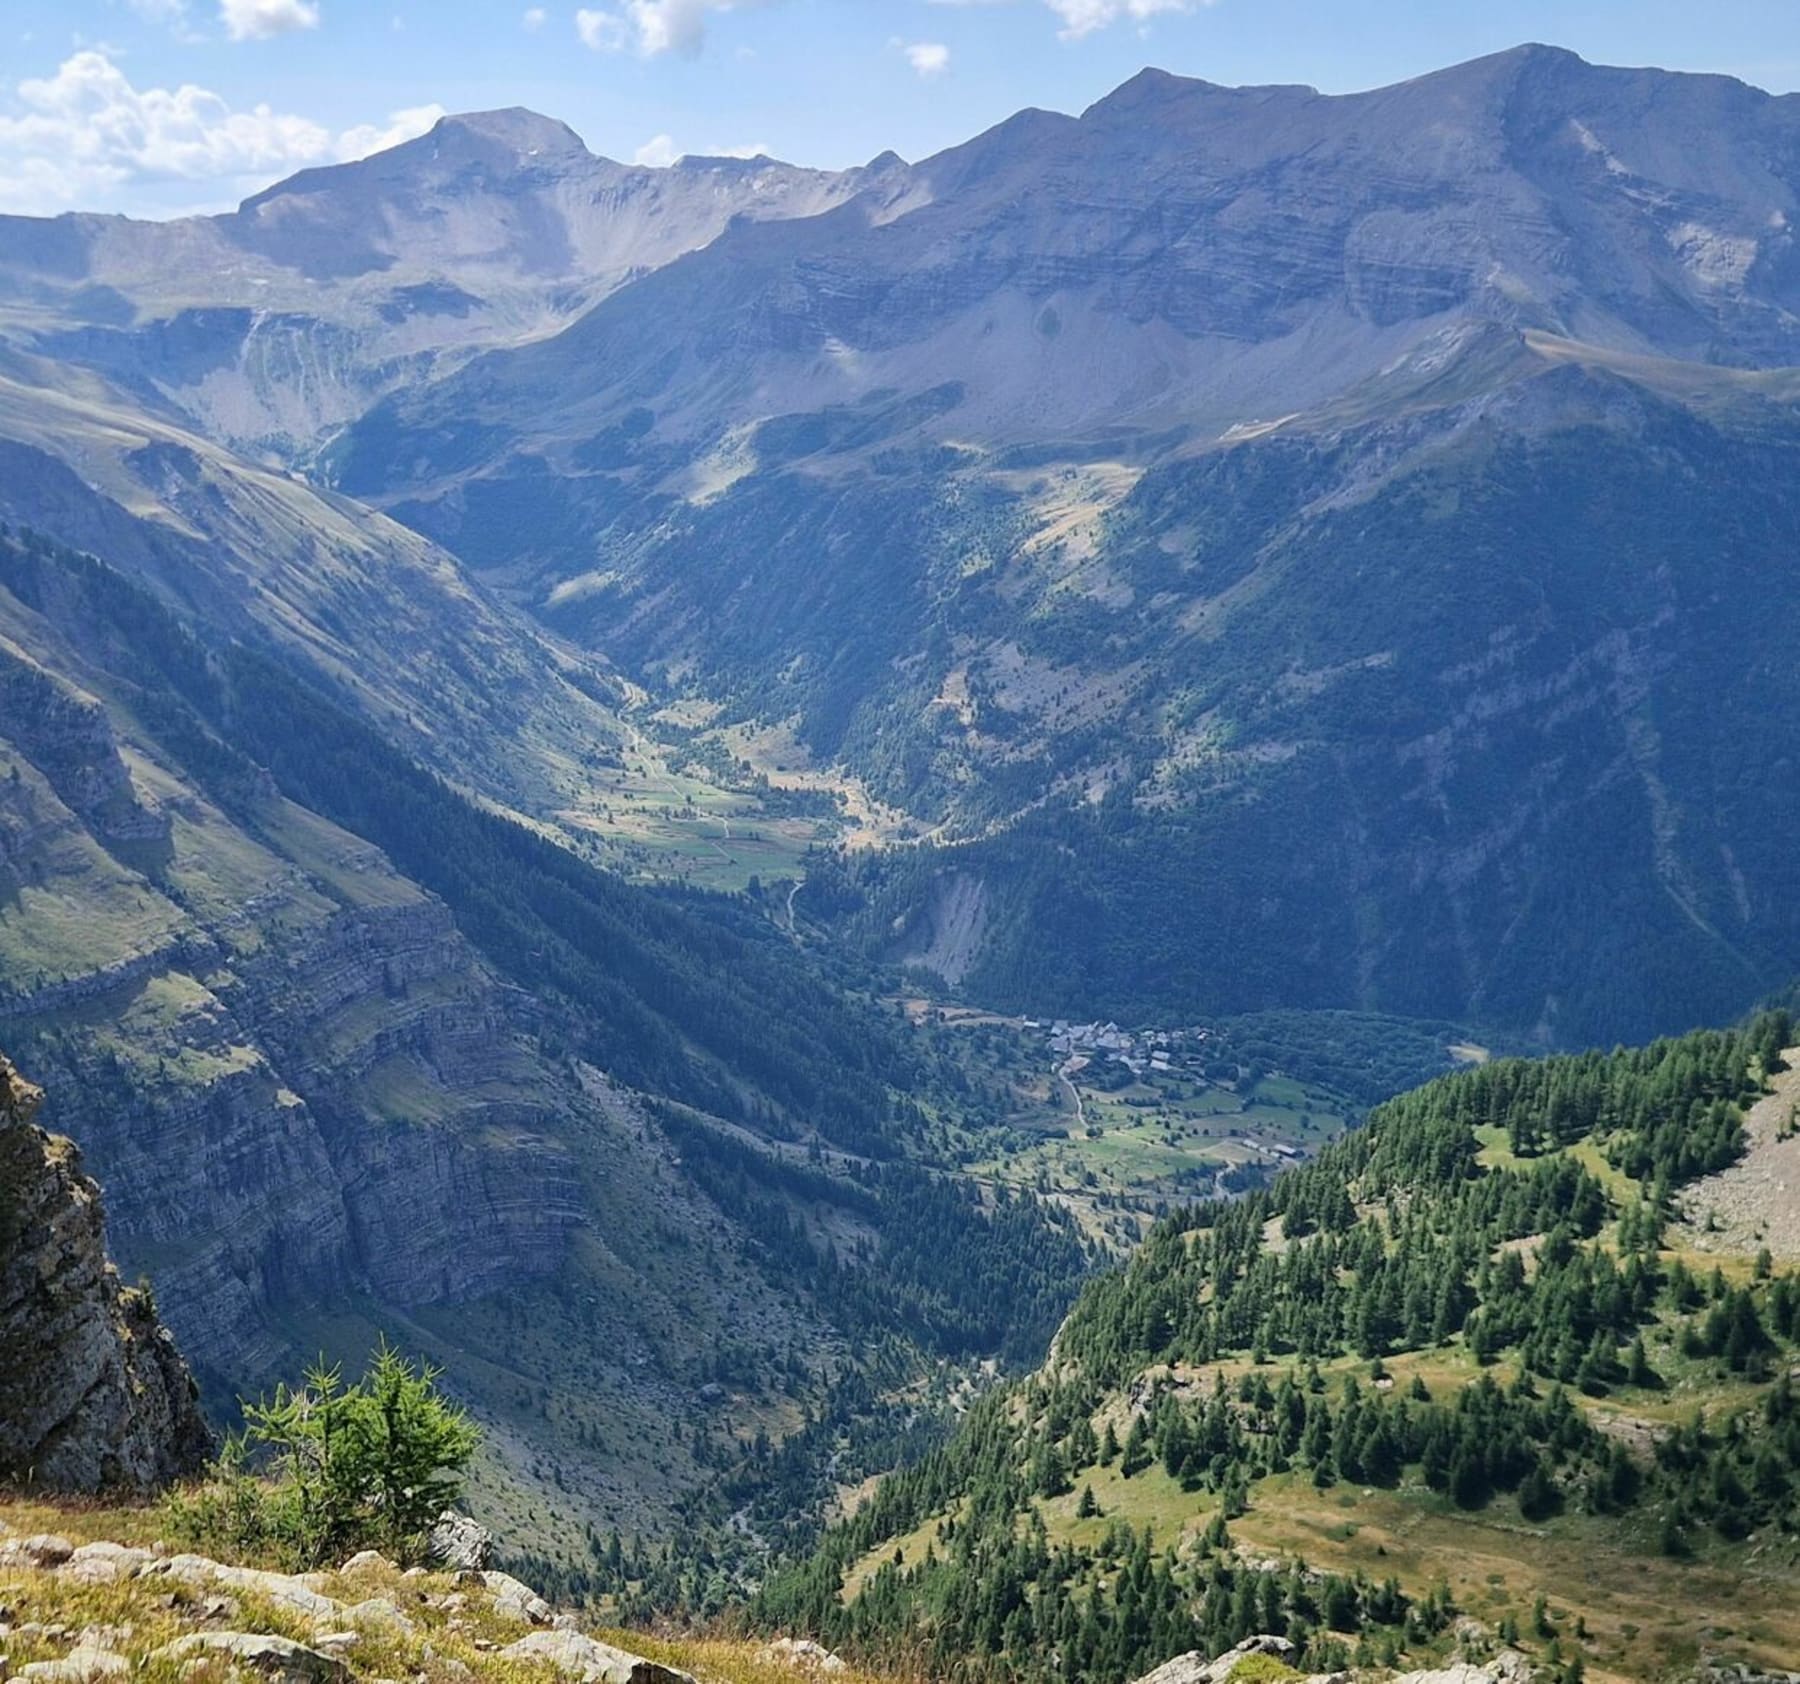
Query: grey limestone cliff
{"type": "Point", "coordinates": [93, 1392]}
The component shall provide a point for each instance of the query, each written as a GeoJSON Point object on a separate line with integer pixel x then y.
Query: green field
{"type": "Point", "coordinates": [1113, 1153]}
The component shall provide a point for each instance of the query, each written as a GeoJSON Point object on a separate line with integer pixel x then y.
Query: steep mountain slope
{"type": "Point", "coordinates": [1305, 511]}
{"type": "Point", "coordinates": [1439, 709]}
{"type": "Point", "coordinates": [271, 326]}
{"type": "Point", "coordinates": [388, 622]}
{"type": "Point", "coordinates": [1464, 1381]}
{"type": "Point", "coordinates": [349, 1052]}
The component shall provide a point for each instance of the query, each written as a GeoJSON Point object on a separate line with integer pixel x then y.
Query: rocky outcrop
{"type": "Point", "coordinates": [69, 738]}
{"type": "Point", "coordinates": [1509, 1667]}
{"type": "Point", "coordinates": [459, 1544]}
{"type": "Point", "coordinates": [93, 1393]}
{"type": "Point", "coordinates": [572, 1655]}
{"type": "Point", "coordinates": [1196, 1668]}
{"type": "Point", "coordinates": [268, 1657]}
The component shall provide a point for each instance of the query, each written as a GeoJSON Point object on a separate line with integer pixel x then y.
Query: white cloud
{"type": "Point", "coordinates": [172, 14]}
{"type": "Point", "coordinates": [604, 32]}
{"type": "Point", "coordinates": [929, 58]}
{"type": "Point", "coordinates": [257, 20]}
{"type": "Point", "coordinates": [533, 19]}
{"type": "Point", "coordinates": [400, 127]}
{"type": "Point", "coordinates": [1083, 17]}
{"type": "Point", "coordinates": [86, 137]}
{"type": "Point", "coordinates": [653, 27]}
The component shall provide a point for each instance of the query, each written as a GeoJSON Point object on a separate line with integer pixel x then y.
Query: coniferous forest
{"type": "Point", "coordinates": [1441, 1305]}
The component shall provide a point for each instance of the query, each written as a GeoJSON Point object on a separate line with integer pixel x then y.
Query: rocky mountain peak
{"type": "Point", "coordinates": [506, 150]}
{"type": "Point", "coordinates": [1152, 92]}
{"type": "Point", "coordinates": [526, 132]}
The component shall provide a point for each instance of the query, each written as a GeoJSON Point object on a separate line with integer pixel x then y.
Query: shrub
{"type": "Point", "coordinates": [339, 1468]}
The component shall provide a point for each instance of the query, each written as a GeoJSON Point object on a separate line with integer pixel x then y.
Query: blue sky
{"type": "Point", "coordinates": [155, 107]}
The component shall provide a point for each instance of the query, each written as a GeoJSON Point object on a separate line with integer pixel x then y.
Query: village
{"type": "Point", "coordinates": [1146, 1055]}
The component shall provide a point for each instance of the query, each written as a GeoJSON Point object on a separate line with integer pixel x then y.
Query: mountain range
{"type": "Point", "coordinates": [1065, 490]}
{"type": "Point", "coordinates": [1233, 551]}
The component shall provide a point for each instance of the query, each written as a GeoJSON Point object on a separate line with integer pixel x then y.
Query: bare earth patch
{"type": "Point", "coordinates": [1756, 1202]}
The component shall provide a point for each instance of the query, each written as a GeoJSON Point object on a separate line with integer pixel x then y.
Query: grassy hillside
{"type": "Point", "coordinates": [1487, 1359]}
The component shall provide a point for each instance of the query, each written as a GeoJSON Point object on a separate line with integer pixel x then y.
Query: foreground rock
{"type": "Point", "coordinates": [516, 1599]}
{"type": "Point", "coordinates": [279, 1658]}
{"type": "Point", "coordinates": [459, 1544]}
{"type": "Point", "coordinates": [93, 1393]}
{"type": "Point", "coordinates": [84, 1664]}
{"type": "Point", "coordinates": [1509, 1667]}
{"type": "Point", "coordinates": [419, 1626]}
{"type": "Point", "coordinates": [592, 1662]}
{"type": "Point", "coordinates": [800, 1653]}
{"type": "Point", "coordinates": [1196, 1668]}
{"type": "Point", "coordinates": [285, 1590]}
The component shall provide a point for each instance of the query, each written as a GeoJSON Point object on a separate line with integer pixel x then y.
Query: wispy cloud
{"type": "Point", "coordinates": [1083, 17]}
{"type": "Point", "coordinates": [653, 27]}
{"type": "Point", "coordinates": [401, 126]}
{"type": "Point", "coordinates": [258, 20]}
{"type": "Point", "coordinates": [657, 153]}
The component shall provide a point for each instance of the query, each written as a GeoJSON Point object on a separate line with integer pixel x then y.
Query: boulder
{"type": "Point", "coordinates": [82, 1665]}
{"type": "Point", "coordinates": [458, 1543]}
{"type": "Point", "coordinates": [368, 1561]}
{"type": "Point", "coordinates": [104, 1564]}
{"type": "Point", "coordinates": [279, 1658]}
{"type": "Point", "coordinates": [1458, 1672]}
{"type": "Point", "coordinates": [518, 1601]}
{"type": "Point", "coordinates": [1195, 1668]}
{"type": "Point", "coordinates": [802, 1654]}
{"type": "Point", "coordinates": [378, 1612]}
{"type": "Point", "coordinates": [284, 1589]}
{"type": "Point", "coordinates": [575, 1656]}
{"type": "Point", "coordinates": [41, 1549]}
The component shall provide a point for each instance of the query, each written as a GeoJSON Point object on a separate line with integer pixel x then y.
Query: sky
{"type": "Point", "coordinates": [167, 107]}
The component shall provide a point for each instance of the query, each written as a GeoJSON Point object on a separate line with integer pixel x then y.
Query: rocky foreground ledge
{"type": "Point", "coordinates": [78, 1613]}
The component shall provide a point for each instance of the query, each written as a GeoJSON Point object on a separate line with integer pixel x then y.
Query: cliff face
{"type": "Point", "coordinates": [93, 1392]}
{"type": "Point", "coordinates": [318, 1112]}
{"type": "Point", "coordinates": [284, 1062]}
